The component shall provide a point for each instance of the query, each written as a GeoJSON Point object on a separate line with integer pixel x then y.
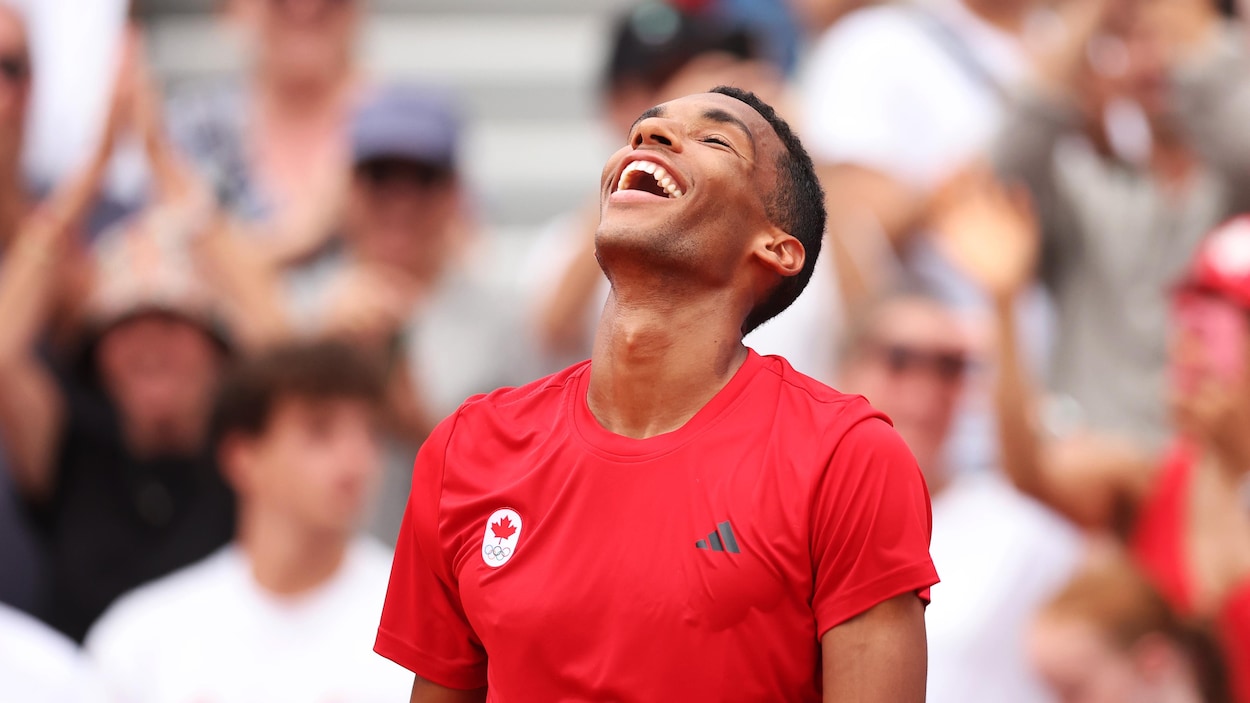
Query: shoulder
{"type": "Point", "coordinates": [798, 391]}
{"type": "Point", "coordinates": [536, 402]}
{"type": "Point", "coordinates": [157, 606]}
{"type": "Point", "coordinates": [39, 664]}
{"type": "Point", "coordinates": [834, 424]}
{"type": "Point", "coordinates": [22, 637]}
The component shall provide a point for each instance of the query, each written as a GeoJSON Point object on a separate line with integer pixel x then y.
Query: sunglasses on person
{"type": "Point", "coordinates": [948, 366]}
{"type": "Point", "coordinates": [14, 68]}
{"type": "Point", "coordinates": [384, 173]}
{"type": "Point", "coordinates": [323, 5]}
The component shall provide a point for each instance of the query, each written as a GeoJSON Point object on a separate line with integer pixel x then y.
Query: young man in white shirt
{"type": "Point", "coordinates": [286, 612]}
{"type": "Point", "coordinates": [40, 665]}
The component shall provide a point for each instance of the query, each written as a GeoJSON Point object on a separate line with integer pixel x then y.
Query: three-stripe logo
{"type": "Point", "coordinates": [721, 539]}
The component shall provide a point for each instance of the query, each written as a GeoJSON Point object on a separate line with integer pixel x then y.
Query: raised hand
{"type": "Point", "coordinates": [369, 304]}
{"type": "Point", "coordinates": [988, 230]}
{"type": "Point", "coordinates": [1212, 414]}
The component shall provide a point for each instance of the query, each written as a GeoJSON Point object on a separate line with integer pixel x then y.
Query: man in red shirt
{"type": "Point", "coordinates": [678, 519]}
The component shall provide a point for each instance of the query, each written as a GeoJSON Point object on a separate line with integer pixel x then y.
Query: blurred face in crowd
{"type": "Point", "coordinates": [402, 213]}
{"type": "Point", "coordinates": [303, 39]}
{"type": "Point", "coordinates": [1082, 663]}
{"type": "Point", "coordinates": [1130, 57]}
{"type": "Point", "coordinates": [14, 81]}
{"type": "Point", "coordinates": [1210, 344]}
{"type": "Point", "coordinates": [162, 372]}
{"type": "Point", "coordinates": [912, 365]}
{"type": "Point", "coordinates": [315, 464]}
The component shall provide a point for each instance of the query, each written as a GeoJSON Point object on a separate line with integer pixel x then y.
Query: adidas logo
{"type": "Point", "coordinates": [720, 540]}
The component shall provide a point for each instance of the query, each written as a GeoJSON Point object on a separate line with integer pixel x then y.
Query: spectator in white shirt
{"type": "Point", "coordinates": [896, 99]}
{"type": "Point", "coordinates": [40, 665]}
{"type": "Point", "coordinates": [287, 612]}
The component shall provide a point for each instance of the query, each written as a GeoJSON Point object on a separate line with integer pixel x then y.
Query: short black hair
{"type": "Point", "coordinates": [796, 205]}
{"type": "Point", "coordinates": [318, 370]}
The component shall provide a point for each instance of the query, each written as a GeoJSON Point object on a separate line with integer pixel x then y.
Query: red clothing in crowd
{"type": "Point", "coordinates": [1158, 544]}
{"type": "Point", "coordinates": [555, 560]}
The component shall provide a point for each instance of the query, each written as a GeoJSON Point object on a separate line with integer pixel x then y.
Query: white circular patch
{"type": "Point", "coordinates": [503, 531]}
{"type": "Point", "coordinates": [1230, 248]}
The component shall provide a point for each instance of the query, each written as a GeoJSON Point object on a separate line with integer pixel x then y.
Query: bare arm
{"type": "Point", "coordinates": [871, 216]}
{"type": "Point", "coordinates": [31, 277]}
{"type": "Point", "coordinates": [1083, 477]}
{"type": "Point", "coordinates": [30, 403]}
{"type": "Point", "coordinates": [991, 233]}
{"type": "Point", "coordinates": [427, 692]}
{"type": "Point", "coordinates": [562, 315]}
{"type": "Point", "coordinates": [880, 656]}
{"type": "Point", "coordinates": [232, 265]}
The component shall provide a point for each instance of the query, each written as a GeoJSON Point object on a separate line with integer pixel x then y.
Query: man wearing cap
{"type": "Point", "coordinates": [399, 284]}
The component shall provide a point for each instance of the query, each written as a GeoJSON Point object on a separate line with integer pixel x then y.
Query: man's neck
{"type": "Point", "coordinates": [1010, 17]}
{"type": "Point", "coordinates": [287, 100]}
{"type": "Point", "coordinates": [287, 559]}
{"type": "Point", "coordinates": [176, 434]}
{"type": "Point", "coordinates": [14, 202]}
{"type": "Point", "coordinates": [654, 366]}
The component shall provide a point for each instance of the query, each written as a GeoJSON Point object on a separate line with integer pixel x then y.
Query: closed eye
{"type": "Point", "coordinates": [717, 140]}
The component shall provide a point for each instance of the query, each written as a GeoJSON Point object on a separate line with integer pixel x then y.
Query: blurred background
{"type": "Point", "coordinates": [251, 251]}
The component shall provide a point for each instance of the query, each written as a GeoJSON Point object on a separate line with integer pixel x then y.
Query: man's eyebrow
{"type": "Point", "coordinates": [657, 111]}
{"type": "Point", "coordinates": [715, 114]}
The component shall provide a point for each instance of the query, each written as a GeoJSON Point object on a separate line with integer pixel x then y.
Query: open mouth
{"type": "Point", "coordinates": [650, 178]}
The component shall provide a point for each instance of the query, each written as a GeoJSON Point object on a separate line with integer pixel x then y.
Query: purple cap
{"type": "Point", "coordinates": [406, 122]}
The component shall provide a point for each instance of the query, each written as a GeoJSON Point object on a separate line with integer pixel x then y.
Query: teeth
{"type": "Point", "coordinates": [656, 171]}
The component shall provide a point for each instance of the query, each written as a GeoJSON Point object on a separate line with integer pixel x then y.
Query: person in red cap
{"type": "Point", "coordinates": [1182, 519]}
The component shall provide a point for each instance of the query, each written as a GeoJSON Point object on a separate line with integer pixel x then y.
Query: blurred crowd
{"type": "Point", "coordinates": [212, 387]}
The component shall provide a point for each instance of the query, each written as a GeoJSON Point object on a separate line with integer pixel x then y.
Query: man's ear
{"type": "Point", "coordinates": [781, 252]}
{"type": "Point", "coordinates": [234, 456]}
{"type": "Point", "coordinates": [1157, 659]}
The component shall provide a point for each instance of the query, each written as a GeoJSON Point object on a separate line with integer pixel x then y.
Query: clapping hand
{"type": "Point", "coordinates": [988, 230]}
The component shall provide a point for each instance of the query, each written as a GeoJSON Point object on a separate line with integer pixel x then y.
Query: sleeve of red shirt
{"type": "Point", "coordinates": [1234, 633]}
{"type": "Point", "coordinates": [424, 628]}
{"type": "Point", "coordinates": [871, 524]}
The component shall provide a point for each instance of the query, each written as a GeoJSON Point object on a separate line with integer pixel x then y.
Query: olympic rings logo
{"type": "Point", "coordinates": [491, 551]}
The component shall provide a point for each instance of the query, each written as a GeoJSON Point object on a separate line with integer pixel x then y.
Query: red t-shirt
{"type": "Point", "coordinates": [554, 560]}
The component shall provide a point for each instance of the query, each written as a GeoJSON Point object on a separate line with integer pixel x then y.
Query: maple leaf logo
{"type": "Point", "coordinates": [503, 529]}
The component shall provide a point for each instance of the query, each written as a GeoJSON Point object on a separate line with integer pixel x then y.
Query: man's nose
{"type": "Point", "coordinates": [657, 130]}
